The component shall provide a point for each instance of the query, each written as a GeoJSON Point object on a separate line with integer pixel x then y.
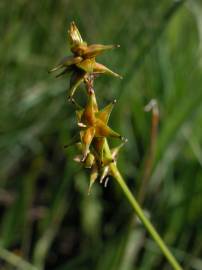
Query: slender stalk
{"type": "Point", "coordinates": [134, 203]}
{"type": "Point", "coordinates": [139, 212]}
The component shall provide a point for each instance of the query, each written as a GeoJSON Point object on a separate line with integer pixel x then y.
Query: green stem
{"type": "Point", "coordinates": [134, 203]}
{"type": "Point", "coordinates": [139, 212]}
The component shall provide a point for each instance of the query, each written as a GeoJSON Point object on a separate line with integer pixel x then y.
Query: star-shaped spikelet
{"type": "Point", "coordinates": [82, 62]}
{"type": "Point", "coordinates": [100, 169]}
{"type": "Point", "coordinates": [94, 125]}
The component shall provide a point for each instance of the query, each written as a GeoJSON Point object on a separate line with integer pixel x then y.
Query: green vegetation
{"type": "Point", "coordinates": [47, 219]}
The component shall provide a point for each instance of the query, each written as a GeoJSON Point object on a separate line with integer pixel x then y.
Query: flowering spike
{"type": "Point", "coordinates": [94, 126]}
{"type": "Point", "coordinates": [82, 63]}
{"type": "Point", "coordinates": [92, 123]}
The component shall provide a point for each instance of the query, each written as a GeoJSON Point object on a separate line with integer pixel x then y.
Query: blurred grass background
{"type": "Point", "coordinates": [47, 219]}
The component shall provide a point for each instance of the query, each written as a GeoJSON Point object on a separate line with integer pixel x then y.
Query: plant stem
{"type": "Point", "coordinates": [134, 203]}
{"type": "Point", "coordinates": [139, 212]}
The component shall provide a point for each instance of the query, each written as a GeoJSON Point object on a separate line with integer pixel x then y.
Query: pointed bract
{"type": "Point", "coordinates": [104, 114]}
{"type": "Point", "coordinates": [96, 49]}
{"type": "Point", "coordinates": [67, 61]}
{"type": "Point", "coordinates": [115, 151]}
{"type": "Point", "coordinates": [88, 116]}
{"type": "Point", "coordinates": [74, 35]}
{"type": "Point", "coordinates": [103, 130]}
{"type": "Point", "coordinates": [93, 176]}
{"type": "Point", "coordinates": [99, 68]}
{"type": "Point", "coordinates": [86, 139]}
{"type": "Point", "coordinates": [77, 78]}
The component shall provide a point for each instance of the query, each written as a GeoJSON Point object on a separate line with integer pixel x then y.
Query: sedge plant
{"type": "Point", "coordinates": [91, 139]}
